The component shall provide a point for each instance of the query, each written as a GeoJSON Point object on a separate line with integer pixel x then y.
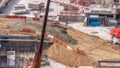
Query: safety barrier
{"type": "Point", "coordinates": [29, 30]}
{"type": "Point", "coordinates": [58, 41]}
{"type": "Point", "coordinates": [16, 17]}
{"type": "Point", "coordinates": [55, 39]}
{"type": "Point", "coordinates": [36, 19]}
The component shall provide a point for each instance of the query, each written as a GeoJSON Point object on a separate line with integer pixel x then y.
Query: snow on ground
{"type": "Point", "coordinates": [102, 32]}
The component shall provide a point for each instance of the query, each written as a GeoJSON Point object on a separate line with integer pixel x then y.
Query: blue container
{"type": "Point", "coordinates": [94, 23]}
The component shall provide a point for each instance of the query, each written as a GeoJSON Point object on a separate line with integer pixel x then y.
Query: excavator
{"type": "Point", "coordinates": [115, 32]}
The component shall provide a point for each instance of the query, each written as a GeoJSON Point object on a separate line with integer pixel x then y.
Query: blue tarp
{"type": "Point", "coordinates": [93, 21]}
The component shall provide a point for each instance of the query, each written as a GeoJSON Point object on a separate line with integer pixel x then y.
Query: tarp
{"type": "Point", "coordinates": [115, 32]}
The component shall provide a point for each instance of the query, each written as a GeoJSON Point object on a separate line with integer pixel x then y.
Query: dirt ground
{"type": "Point", "coordinates": [96, 49]}
{"type": "Point", "coordinates": [60, 54]}
{"type": "Point", "coordinates": [11, 26]}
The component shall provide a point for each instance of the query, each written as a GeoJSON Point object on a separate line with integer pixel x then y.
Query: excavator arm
{"type": "Point", "coordinates": [38, 54]}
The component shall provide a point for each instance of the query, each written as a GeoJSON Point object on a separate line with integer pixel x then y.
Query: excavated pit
{"type": "Point", "coordinates": [95, 48]}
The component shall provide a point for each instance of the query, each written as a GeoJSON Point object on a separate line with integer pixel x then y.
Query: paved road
{"type": "Point", "coordinates": [56, 8]}
{"type": "Point", "coordinates": [7, 10]}
{"type": "Point", "coordinates": [9, 7]}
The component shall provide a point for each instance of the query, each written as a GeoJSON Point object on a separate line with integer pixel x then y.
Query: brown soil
{"type": "Point", "coordinates": [94, 47]}
{"type": "Point", "coordinates": [68, 58]}
{"type": "Point", "coordinates": [3, 22]}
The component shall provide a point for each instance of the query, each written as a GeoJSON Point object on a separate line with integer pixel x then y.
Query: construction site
{"type": "Point", "coordinates": [81, 34]}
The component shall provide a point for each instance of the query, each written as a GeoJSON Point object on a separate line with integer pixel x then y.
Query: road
{"type": "Point", "coordinates": [7, 10]}
{"type": "Point", "coordinates": [102, 32]}
{"type": "Point", "coordinates": [11, 4]}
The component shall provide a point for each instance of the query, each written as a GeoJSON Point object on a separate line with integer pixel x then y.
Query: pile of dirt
{"type": "Point", "coordinates": [62, 55]}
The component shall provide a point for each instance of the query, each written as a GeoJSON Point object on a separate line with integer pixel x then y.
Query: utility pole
{"type": "Point", "coordinates": [38, 55]}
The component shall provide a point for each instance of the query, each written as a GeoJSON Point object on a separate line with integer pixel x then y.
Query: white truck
{"type": "Point", "coordinates": [19, 9]}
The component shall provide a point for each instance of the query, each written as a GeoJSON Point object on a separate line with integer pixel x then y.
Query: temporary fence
{"type": "Point", "coordinates": [36, 19]}
{"type": "Point", "coordinates": [17, 17]}
{"type": "Point", "coordinates": [28, 30]}
{"type": "Point", "coordinates": [61, 43]}
{"type": "Point", "coordinates": [53, 38]}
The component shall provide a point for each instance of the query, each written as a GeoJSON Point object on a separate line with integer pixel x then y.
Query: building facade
{"type": "Point", "coordinates": [81, 2]}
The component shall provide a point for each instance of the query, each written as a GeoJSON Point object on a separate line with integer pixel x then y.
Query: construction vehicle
{"type": "Point", "coordinates": [115, 32]}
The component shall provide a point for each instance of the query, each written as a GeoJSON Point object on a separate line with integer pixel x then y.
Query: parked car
{"type": "Point", "coordinates": [19, 9]}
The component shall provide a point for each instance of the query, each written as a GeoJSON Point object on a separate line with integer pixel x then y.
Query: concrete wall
{"type": "Point", "coordinates": [71, 18]}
